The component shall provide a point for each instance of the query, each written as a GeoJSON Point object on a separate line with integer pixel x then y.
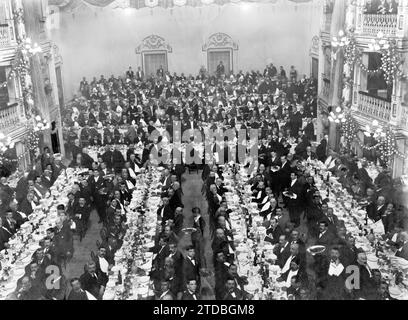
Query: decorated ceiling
{"type": "Point", "coordinates": [68, 5]}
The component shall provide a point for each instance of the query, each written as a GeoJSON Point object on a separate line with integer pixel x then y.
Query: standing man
{"type": "Point", "coordinates": [220, 70]}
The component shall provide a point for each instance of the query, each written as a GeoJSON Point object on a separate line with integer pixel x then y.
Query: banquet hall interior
{"type": "Point", "coordinates": [203, 150]}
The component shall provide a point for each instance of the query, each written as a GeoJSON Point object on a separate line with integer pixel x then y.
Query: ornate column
{"type": "Point", "coordinates": [402, 19]}
{"type": "Point", "coordinates": [336, 79]}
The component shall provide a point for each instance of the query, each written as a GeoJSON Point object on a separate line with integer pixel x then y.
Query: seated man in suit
{"type": "Point", "coordinates": [46, 179]}
{"type": "Point", "coordinates": [231, 291]}
{"type": "Point", "coordinates": [165, 292]}
{"type": "Point", "coordinates": [93, 281]}
{"type": "Point", "coordinates": [240, 282]}
{"type": "Point", "coordinates": [325, 237]}
{"type": "Point", "coordinates": [367, 289]}
{"type": "Point", "coordinates": [296, 268]}
{"type": "Point", "coordinates": [273, 232]}
{"type": "Point", "coordinates": [191, 292]}
{"type": "Point", "coordinates": [28, 291]}
{"type": "Point", "coordinates": [331, 277]}
{"type": "Point", "coordinates": [164, 212]}
{"type": "Point", "coordinates": [402, 241]}
{"type": "Point", "coordinates": [77, 293]}
{"type": "Point", "coordinates": [27, 205]}
{"type": "Point", "coordinates": [9, 223]}
{"type": "Point", "coordinates": [282, 251]}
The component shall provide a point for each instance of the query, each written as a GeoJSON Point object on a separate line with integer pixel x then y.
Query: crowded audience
{"type": "Point", "coordinates": [114, 111]}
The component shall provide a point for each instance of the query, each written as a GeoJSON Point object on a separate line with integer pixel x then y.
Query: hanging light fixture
{"type": "Point", "coordinates": [5, 142]}
{"type": "Point", "coordinates": [379, 43]}
{"type": "Point", "coordinates": [40, 124]}
{"type": "Point", "coordinates": [341, 40]}
{"type": "Point", "coordinates": [337, 115]}
{"type": "Point", "coordinates": [375, 130]}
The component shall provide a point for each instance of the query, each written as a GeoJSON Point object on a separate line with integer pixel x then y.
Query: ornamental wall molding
{"type": "Point", "coordinates": [220, 40]}
{"type": "Point", "coordinates": [153, 43]}
{"type": "Point", "coordinates": [314, 48]}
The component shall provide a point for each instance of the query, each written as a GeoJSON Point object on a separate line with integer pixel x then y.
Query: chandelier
{"type": "Point", "coordinates": [337, 115]}
{"type": "Point", "coordinates": [341, 41]}
{"type": "Point", "coordinates": [375, 130]}
{"type": "Point", "coordinates": [379, 43]}
{"type": "Point", "coordinates": [40, 124]}
{"type": "Point", "coordinates": [5, 142]}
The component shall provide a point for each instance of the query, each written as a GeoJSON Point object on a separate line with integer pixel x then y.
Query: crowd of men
{"type": "Point", "coordinates": [280, 108]}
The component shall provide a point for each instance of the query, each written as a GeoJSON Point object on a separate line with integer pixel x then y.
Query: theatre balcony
{"type": "Point", "coordinates": [12, 120]}
{"type": "Point", "coordinates": [373, 18]}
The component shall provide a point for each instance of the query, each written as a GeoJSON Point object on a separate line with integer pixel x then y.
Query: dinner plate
{"type": "Point", "coordinates": [143, 291]}
{"type": "Point", "coordinates": [10, 285]}
{"type": "Point", "coordinates": [148, 255]}
{"type": "Point", "coordinates": [400, 262]}
{"type": "Point", "coordinates": [144, 279]}
{"type": "Point", "coordinates": [188, 230]}
{"type": "Point", "coordinates": [395, 291]}
{"type": "Point", "coordinates": [18, 272]}
{"type": "Point", "coordinates": [316, 249]}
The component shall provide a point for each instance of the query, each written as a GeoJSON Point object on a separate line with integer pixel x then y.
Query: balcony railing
{"type": "Point", "coordinates": [4, 35]}
{"type": "Point", "coordinates": [375, 23]}
{"type": "Point", "coordinates": [374, 107]}
{"type": "Point", "coordinates": [9, 117]}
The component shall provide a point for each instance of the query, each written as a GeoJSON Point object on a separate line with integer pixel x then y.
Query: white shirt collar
{"type": "Point", "coordinates": [335, 269]}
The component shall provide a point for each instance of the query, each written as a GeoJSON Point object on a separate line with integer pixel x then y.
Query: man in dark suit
{"type": "Point", "coordinates": [97, 186]}
{"type": "Point", "coordinates": [46, 179]}
{"type": "Point", "coordinates": [81, 216]}
{"type": "Point", "coordinates": [165, 212]}
{"type": "Point", "coordinates": [9, 223]}
{"type": "Point", "coordinates": [284, 173]}
{"type": "Point", "coordinates": [294, 199]}
{"type": "Point", "coordinates": [321, 150]}
{"type": "Point", "coordinates": [325, 237]}
{"type": "Point", "coordinates": [282, 251]}
{"type": "Point", "coordinates": [166, 180]}
{"type": "Point", "coordinates": [174, 198]}
{"type": "Point", "coordinates": [92, 281]}
{"type": "Point", "coordinates": [191, 292]}
{"type": "Point", "coordinates": [377, 209]}
{"type": "Point", "coordinates": [332, 276]}
{"type": "Point", "coordinates": [367, 289]}
{"type": "Point", "coordinates": [191, 267]}
{"type": "Point", "coordinates": [5, 235]}
{"type": "Point", "coordinates": [402, 241]}
{"type": "Point", "coordinates": [240, 281]}
{"type": "Point", "coordinates": [76, 292]}
{"type": "Point", "coordinates": [27, 205]}
{"type": "Point", "coordinates": [273, 232]}
{"type": "Point", "coordinates": [139, 74]}
{"type": "Point", "coordinates": [63, 241]}
{"type": "Point", "coordinates": [231, 291]}
{"type": "Point", "coordinates": [221, 274]}
{"type": "Point", "coordinates": [348, 252]}
{"type": "Point", "coordinates": [332, 220]}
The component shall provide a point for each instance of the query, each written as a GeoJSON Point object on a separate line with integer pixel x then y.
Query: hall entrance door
{"type": "Point", "coordinates": [315, 68]}
{"type": "Point", "coordinates": [153, 61]}
{"type": "Point", "coordinates": [215, 56]}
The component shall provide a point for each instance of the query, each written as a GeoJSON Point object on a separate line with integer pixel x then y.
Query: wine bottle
{"type": "Point", "coordinates": [256, 259]}
{"type": "Point", "coordinates": [119, 277]}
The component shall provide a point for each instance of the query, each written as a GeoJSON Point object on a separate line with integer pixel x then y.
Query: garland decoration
{"type": "Point", "coordinates": [386, 144]}
{"type": "Point", "coordinates": [391, 60]}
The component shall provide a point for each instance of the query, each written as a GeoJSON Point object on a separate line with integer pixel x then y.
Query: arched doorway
{"type": "Point", "coordinates": [153, 51]}
{"type": "Point", "coordinates": [220, 47]}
